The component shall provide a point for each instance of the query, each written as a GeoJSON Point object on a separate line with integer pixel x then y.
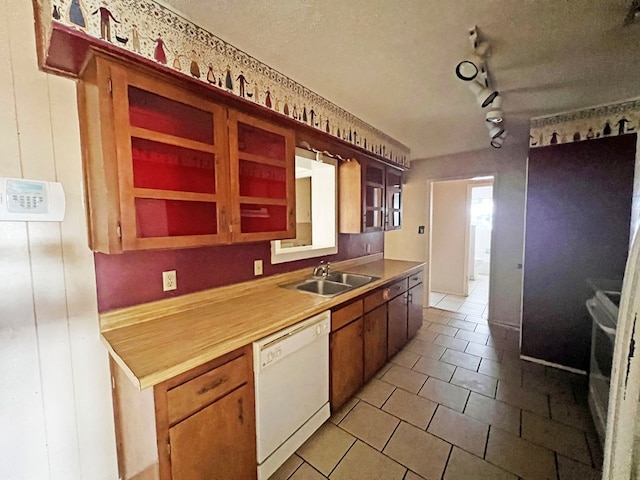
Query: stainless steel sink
{"type": "Point", "coordinates": [333, 284]}
{"type": "Point", "coordinates": [324, 287]}
{"type": "Point", "coordinates": [353, 279]}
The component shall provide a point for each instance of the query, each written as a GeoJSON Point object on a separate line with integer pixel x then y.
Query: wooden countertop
{"type": "Point", "coordinates": [159, 340]}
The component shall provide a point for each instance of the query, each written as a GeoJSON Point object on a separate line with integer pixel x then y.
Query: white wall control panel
{"type": "Point", "coordinates": [31, 200]}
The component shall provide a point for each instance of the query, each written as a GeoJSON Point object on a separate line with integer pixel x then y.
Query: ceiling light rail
{"type": "Point", "coordinates": [473, 71]}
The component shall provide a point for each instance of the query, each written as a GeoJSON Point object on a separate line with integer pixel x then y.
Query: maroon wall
{"type": "Point", "coordinates": [136, 277]}
{"type": "Point", "coordinates": [578, 216]}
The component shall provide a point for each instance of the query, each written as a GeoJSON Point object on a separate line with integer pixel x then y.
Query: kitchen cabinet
{"type": "Point", "coordinates": [415, 300]}
{"type": "Point", "coordinates": [375, 341]}
{"type": "Point", "coordinates": [346, 353]}
{"type": "Point", "coordinates": [397, 317]}
{"type": "Point", "coordinates": [370, 197]}
{"type": "Point", "coordinates": [168, 168]}
{"type": "Point", "coordinates": [202, 423]}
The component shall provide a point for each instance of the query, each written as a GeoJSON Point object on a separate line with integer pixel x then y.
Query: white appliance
{"type": "Point", "coordinates": [603, 308]}
{"type": "Point", "coordinates": [31, 200]}
{"type": "Point", "coordinates": [291, 369]}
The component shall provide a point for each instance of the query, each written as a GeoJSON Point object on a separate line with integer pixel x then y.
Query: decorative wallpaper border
{"type": "Point", "coordinates": [596, 122]}
{"type": "Point", "coordinates": [153, 31]}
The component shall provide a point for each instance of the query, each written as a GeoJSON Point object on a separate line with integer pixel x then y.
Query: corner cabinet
{"type": "Point", "coordinates": [167, 168]}
{"type": "Point", "coordinates": [370, 197]}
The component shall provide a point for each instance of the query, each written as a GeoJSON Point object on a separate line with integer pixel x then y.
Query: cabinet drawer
{"type": "Point", "coordinates": [191, 396]}
{"type": "Point", "coordinates": [397, 288]}
{"type": "Point", "coordinates": [374, 299]}
{"type": "Point", "coordinates": [344, 315]}
{"type": "Point", "coordinates": [415, 279]}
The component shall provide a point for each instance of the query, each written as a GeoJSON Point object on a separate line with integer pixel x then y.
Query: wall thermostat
{"type": "Point", "coordinates": [31, 200]}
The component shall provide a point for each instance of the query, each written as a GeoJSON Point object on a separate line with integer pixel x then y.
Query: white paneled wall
{"type": "Point", "coordinates": [56, 419]}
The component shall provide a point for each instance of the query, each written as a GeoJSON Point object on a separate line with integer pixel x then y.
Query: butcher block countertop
{"type": "Point", "coordinates": [156, 341]}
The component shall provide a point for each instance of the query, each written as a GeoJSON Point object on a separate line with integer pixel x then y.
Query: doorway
{"type": "Point", "coordinates": [461, 226]}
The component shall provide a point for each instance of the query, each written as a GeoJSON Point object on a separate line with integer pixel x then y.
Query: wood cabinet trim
{"type": "Point", "coordinates": [346, 314]}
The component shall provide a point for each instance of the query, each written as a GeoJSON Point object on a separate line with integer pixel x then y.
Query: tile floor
{"type": "Point", "coordinates": [457, 403]}
{"type": "Point", "coordinates": [476, 303]}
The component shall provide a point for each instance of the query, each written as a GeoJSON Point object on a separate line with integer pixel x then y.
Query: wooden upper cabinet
{"type": "Point", "coordinates": [160, 170]}
{"type": "Point", "coordinates": [370, 196]}
{"type": "Point", "coordinates": [262, 179]}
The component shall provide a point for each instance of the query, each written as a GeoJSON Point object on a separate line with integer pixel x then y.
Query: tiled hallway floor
{"type": "Point", "coordinates": [473, 304]}
{"type": "Point", "coordinates": [457, 403]}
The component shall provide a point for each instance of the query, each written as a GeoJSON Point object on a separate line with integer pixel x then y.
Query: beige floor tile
{"type": "Point", "coordinates": [501, 371]}
{"type": "Point", "coordinates": [465, 432]}
{"type": "Point", "coordinates": [362, 461]}
{"type": "Point", "coordinates": [571, 470]}
{"type": "Point", "coordinates": [287, 468]}
{"type": "Point", "coordinates": [461, 359]}
{"type": "Point", "coordinates": [470, 336]}
{"type": "Point", "coordinates": [426, 349]}
{"type": "Point", "coordinates": [384, 370]}
{"type": "Point", "coordinates": [435, 368]}
{"type": "Point", "coordinates": [425, 334]}
{"type": "Point", "coordinates": [525, 399]}
{"type": "Point", "coordinates": [476, 319]}
{"type": "Point", "coordinates": [445, 394]}
{"type": "Point", "coordinates": [556, 436]}
{"type": "Point", "coordinates": [413, 476]}
{"type": "Point", "coordinates": [375, 392]}
{"type": "Point", "coordinates": [337, 417]}
{"type": "Point", "coordinates": [411, 408]}
{"type": "Point", "coordinates": [462, 324]}
{"type": "Point", "coordinates": [418, 450]}
{"type": "Point", "coordinates": [369, 424]}
{"type": "Point", "coordinates": [451, 305]}
{"type": "Point", "coordinates": [484, 351]}
{"type": "Point", "coordinates": [406, 378]}
{"type": "Point", "coordinates": [572, 414]}
{"type": "Point", "coordinates": [475, 382]}
{"type": "Point", "coordinates": [444, 329]}
{"type": "Point", "coordinates": [457, 316]}
{"type": "Point", "coordinates": [483, 329]}
{"type": "Point", "coordinates": [438, 318]}
{"type": "Point", "coordinates": [520, 456]}
{"type": "Point", "coordinates": [493, 412]}
{"type": "Point", "coordinates": [405, 358]}
{"type": "Point", "coordinates": [545, 384]}
{"type": "Point", "coordinates": [513, 358]}
{"type": "Point", "coordinates": [450, 342]}
{"type": "Point", "coordinates": [464, 466]}
{"type": "Point", "coordinates": [326, 447]}
{"type": "Point", "coordinates": [471, 308]}
{"type": "Point", "coordinates": [307, 472]}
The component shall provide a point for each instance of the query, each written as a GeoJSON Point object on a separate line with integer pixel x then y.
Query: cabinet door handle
{"type": "Point", "coordinates": [240, 411]}
{"type": "Point", "coordinates": [385, 294]}
{"type": "Point", "coordinates": [409, 298]}
{"type": "Point", "coordinates": [223, 219]}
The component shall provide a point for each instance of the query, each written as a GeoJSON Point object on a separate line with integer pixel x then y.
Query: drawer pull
{"type": "Point", "coordinates": [215, 384]}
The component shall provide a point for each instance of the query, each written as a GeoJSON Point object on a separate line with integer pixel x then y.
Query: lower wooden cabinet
{"type": "Point", "coordinates": [346, 353]}
{"type": "Point", "coordinates": [397, 326]}
{"type": "Point", "coordinates": [375, 341]}
{"type": "Point", "coordinates": [199, 425]}
{"type": "Point", "coordinates": [414, 312]}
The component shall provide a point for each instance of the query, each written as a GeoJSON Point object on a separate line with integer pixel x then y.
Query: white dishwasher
{"type": "Point", "coordinates": [291, 369]}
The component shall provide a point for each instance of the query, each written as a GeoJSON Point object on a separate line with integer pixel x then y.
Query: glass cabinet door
{"type": "Point", "coordinates": [374, 197]}
{"type": "Point", "coordinates": [170, 147]}
{"type": "Point", "coordinates": [393, 219]}
{"type": "Point", "coordinates": [263, 183]}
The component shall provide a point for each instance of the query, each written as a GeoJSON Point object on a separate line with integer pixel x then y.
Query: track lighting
{"type": "Point", "coordinates": [473, 70]}
{"type": "Point", "coordinates": [494, 115]}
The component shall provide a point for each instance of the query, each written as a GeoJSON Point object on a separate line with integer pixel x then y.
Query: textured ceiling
{"type": "Point", "coordinates": [392, 63]}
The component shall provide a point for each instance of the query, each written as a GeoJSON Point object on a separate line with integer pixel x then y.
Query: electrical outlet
{"type": "Point", "coordinates": [257, 267]}
{"type": "Point", "coordinates": [169, 280]}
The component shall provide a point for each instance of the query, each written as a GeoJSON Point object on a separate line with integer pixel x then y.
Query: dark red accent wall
{"type": "Point", "coordinates": [136, 277]}
{"type": "Point", "coordinates": [579, 198]}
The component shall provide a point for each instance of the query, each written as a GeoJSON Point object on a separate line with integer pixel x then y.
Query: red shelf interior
{"type": "Point", "coordinates": [260, 180]}
{"type": "Point", "coordinates": [260, 142]}
{"type": "Point", "coordinates": [172, 218]}
{"type": "Point", "coordinates": [262, 218]}
{"type": "Point", "coordinates": [154, 112]}
{"type": "Point", "coordinates": [168, 167]}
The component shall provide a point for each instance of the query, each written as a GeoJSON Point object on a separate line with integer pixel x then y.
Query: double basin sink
{"type": "Point", "coordinates": [333, 284]}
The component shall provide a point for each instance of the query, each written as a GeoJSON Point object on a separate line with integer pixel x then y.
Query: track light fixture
{"type": "Point", "coordinates": [473, 71]}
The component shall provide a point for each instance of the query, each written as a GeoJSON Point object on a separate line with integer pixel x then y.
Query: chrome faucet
{"type": "Point", "coordinates": [322, 270]}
